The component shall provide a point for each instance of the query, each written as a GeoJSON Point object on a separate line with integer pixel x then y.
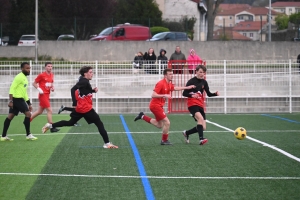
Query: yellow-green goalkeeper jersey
{"type": "Point", "coordinates": [18, 88]}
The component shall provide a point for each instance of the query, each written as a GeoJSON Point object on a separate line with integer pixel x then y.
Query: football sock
{"type": "Point", "coordinates": [68, 109]}
{"type": "Point", "coordinates": [146, 118]}
{"type": "Point", "coordinates": [200, 131]}
{"type": "Point", "coordinates": [5, 127]}
{"type": "Point", "coordinates": [102, 131]}
{"type": "Point", "coordinates": [26, 122]}
{"type": "Point", "coordinates": [164, 136]}
{"type": "Point", "coordinates": [31, 119]}
{"type": "Point", "coordinates": [191, 131]}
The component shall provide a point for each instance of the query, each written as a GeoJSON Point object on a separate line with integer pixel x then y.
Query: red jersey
{"type": "Point", "coordinates": [161, 87]}
{"type": "Point", "coordinates": [45, 81]}
{"type": "Point", "coordinates": [84, 96]}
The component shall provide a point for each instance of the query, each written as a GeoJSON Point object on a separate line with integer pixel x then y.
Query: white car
{"type": "Point", "coordinates": [27, 40]}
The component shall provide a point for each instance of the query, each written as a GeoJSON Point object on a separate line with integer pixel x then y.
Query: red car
{"type": "Point", "coordinates": [124, 32]}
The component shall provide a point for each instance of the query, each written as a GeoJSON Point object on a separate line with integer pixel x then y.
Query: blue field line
{"type": "Point", "coordinates": [145, 181]}
{"type": "Point", "coordinates": [285, 119]}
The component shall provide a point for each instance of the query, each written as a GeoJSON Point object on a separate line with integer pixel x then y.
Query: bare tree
{"type": "Point", "coordinates": [212, 9]}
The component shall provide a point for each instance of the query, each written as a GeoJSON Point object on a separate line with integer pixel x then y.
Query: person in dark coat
{"type": "Point", "coordinates": [150, 59]}
{"type": "Point", "coordinates": [298, 61]}
{"type": "Point", "coordinates": [138, 60]}
{"type": "Point", "coordinates": [179, 59]}
{"type": "Point", "coordinates": [162, 59]}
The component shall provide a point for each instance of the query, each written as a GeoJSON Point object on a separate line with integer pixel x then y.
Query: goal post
{"type": "Point", "coordinates": [181, 74]}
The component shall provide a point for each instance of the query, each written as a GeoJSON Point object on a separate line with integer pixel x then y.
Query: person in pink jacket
{"type": "Point", "coordinates": [193, 61]}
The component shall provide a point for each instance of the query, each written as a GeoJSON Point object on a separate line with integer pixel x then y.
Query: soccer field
{"type": "Point", "coordinates": [72, 164]}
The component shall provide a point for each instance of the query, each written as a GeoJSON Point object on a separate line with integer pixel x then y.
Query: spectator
{"type": "Point", "coordinates": [162, 59]}
{"type": "Point", "coordinates": [193, 61]}
{"type": "Point", "coordinates": [138, 60]}
{"type": "Point", "coordinates": [150, 59]}
{"type": "Point", "coordinates": [181, 60]}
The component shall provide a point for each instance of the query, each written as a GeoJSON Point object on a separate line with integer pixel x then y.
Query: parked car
{"type": "Point", "coordinates": [27, 40]}
{"type": "Point", "coordinates": [8, 40]}
{"type": "Point", "coordinates": [124, 32]}
{"type": "Point", "coordinates": [170, 36]}
{"type": "Point", "coordinates": [66, 37]}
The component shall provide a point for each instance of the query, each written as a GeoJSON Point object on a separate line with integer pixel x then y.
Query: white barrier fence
{"type": "Point", "coordinates": [245, 86]}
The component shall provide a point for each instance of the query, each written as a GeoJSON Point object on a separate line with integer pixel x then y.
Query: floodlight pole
{"type": "Point", "coordinates": [36, 31]}
{"type": "Point", "coordinates": [269, 21]}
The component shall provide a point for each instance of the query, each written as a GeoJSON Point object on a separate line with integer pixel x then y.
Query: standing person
{"type": "Point", "coordinates": [163, 59]}
{"type": "Point", "coordinates": [161, 92]}
{"type": "Point", "coordinates": [44, 84]}
{"type": "Point", "coordinates": [193, 61]}
{"type": "Point", "coordinates": [150, 59]}
{"type": "Point", "coordinates": [84, 107]}
{"type": "Point", "coordinates": [181, 60]}
{"type": "Point", "coordinates": [195, 103]}
{"type": "Point", "coordinates": [138, 60]}
{"type": "Point", "coordinates": [19, 102]}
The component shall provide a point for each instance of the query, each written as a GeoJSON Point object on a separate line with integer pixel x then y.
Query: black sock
{"type": "Point", "coordinates": [27, 125]}
{"type": "Point", "coordinates": [191, 131]}
{"type": "Point", "coordinates": [5, 127]}
{"type": "Point", "coordinates": [102, 131]}
{"type": "Point", "coordinates": [200, 131]}
{"type": "Point", "coordinates": [68, 109]}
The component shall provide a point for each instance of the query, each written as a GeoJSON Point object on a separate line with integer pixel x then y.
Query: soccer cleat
{"type": "Point", "coordinates": [61, 109]}
{"type": "Point", "coordinates": [3, 139]}
{"type": "Point", "coordinates": [166, 142]}
{"type": "Point", "coordinates": [110, 146]}
{"type": "Point", "coordinates": [76, 124]}
{"type": "Point", "coordinates": [186, 137]}
{"type": "Point", "coordinates": [46, 127]}
{"type": "Point", "coordinates": [203, 141]}
{"type": "Point", "coordinates": [52, 130]}
{"type": "Point", "coordinates": [139, 116]}
{"type": "Point", "coordinates": [31, 137]}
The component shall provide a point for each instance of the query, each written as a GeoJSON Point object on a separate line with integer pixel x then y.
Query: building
{"type": "Point", "coordinates": [287, 8]}
{"type": "Point", "coordinates": [252, 29]}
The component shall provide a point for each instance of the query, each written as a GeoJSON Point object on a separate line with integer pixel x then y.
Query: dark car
{"type": "Point", "coordinates": [66, 37]}
{"type": "Point", "coordinates": [8, 40]}
{"type": "Point", "coordinates": [170, 36]}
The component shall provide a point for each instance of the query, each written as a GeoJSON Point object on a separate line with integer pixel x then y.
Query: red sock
{"type": "Point", "coordinates": [147, 119]}
{"type": "Point", "coordinates": [164, 137]}
{"type": "Point", "coordinates": [31, 119]}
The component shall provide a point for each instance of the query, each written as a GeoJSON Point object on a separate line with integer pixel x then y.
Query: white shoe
{"type": "Point", "coordinates": [186, 137]}
{"type": "Point", "coordinates": [46, 127]}
{"type": "Point", "coordinates": [6, 139]}
{"type": "Point", "coordinates": [31, 137]}
{"type": "Point", "coordinates": [110, 146]}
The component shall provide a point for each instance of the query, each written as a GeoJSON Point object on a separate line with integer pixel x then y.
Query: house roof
{"type": "Point", "coordinates": [249, 26]}
{"type": "Point", "coordinates": [286, 4]}
{"type": "Point", "coordinates": [252, 10]}
{"type": "Point", "coordinates": [232, 35]}
{"type": "Point", "coordinates": [227, 6]}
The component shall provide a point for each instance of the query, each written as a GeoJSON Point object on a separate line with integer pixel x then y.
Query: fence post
{"type": "Point", "coordinates": [290, 84]}
{"type": "Point", "coordinates": [225, 101]}
{"type": "Point", "coordinates": [30, 81]}
{"type": "Point", "coordinates": [96, 85]}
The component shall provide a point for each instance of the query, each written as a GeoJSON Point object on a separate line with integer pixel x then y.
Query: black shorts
{"type": "Point", "coordinates": [194, 109]}
{"type": "Point", "coordinates": [90, 117]}
{"type": "Point", "coordinates": [19, 105]}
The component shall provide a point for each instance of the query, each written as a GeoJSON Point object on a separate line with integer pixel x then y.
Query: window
{"type": "Point", "coordinates": [244, 34]}
{"type": "Point", "coordinates": [282, 10]}
{"type": "Point", "coordinates": [251, 35]}
{"type": "Point", "coordinates": [230, 17]}
{"type": "Point", "coordinates": [230, 25]}
{"type": "Point", "coordinates": [240, 17]}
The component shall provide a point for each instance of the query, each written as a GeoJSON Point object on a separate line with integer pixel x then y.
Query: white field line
{"type": "Point", "coordinates": [149, 177]}
{"type": "Point", "coordinates": [260, 142]}
{"type": "Point", "coordinates": [156, 132]}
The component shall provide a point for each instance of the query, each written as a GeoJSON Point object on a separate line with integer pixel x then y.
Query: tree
{"type": "Point", "coordinates": [145, 12]}
{"type": "Point", "coordinates": [282, 21]}
{"type": "Point", "coordinates": [212, 9]}
{"type": "Point", "coordinates": [295, 18]}
{"type": "Point", "coordinates": [80, 17]}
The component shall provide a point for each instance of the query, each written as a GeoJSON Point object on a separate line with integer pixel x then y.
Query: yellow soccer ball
{"type": "Point", "coordinates": [240, 133]}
